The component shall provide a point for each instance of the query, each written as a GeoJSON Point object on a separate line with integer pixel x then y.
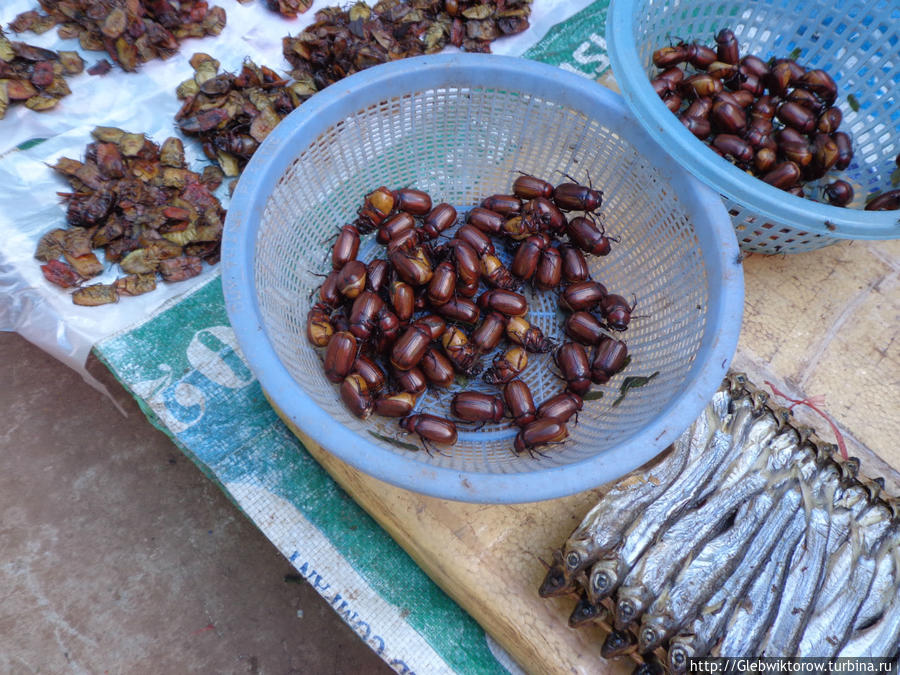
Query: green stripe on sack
{"type": "Point", "coordinates": [577, 44]}
{"type": "Point", "coordinates": [234, 436]}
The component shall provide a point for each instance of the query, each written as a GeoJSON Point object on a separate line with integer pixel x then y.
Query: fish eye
{"type": "Point", "coordinates": [573, 559]}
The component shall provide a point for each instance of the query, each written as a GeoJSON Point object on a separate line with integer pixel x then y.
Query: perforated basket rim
{"type": "Point", "coordinates": [751, 193]}
{"type": "Point", "coordinates": [719, 252]}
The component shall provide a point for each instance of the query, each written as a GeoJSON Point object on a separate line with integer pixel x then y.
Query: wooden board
{"type": "Point", "coordinates": [823, 323]}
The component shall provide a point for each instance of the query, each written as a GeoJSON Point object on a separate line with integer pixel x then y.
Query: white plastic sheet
{"type": "Point", "coordinates": [142, 102]}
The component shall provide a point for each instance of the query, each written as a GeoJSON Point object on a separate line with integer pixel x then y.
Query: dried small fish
{"type": "Point", "coordinates": [96, 294]}
{"type": "Point", "coordinates": [870, 640]}
{"type": "Point", "coordinates": [699, 580]}
{"type": "Point", "coordinates": [827, 530]}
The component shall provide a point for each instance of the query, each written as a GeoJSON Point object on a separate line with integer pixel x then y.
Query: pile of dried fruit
{"type": "Point", "coordinates": [288, 8]}
{"type": "Point", "coordinates": [776, 120]}
{"type": "Point", "coordinates": [34, 75]}
{"type": "Point", "coordinates": [750, 537]}
{"type": "Point", "coordinates": [344, 41]}
{"type": "Point", "coordinates": [232, 114]}
{"type": "Point", "coordinates": [391, 327]}
{"type": "Point", "coordinates": [130, 31]}
{"type": "Point", "coordinates": [139, 203]}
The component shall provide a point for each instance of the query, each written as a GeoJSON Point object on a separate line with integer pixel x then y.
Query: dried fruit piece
{"type": "Point", "coordinates": [95, 294]}
{"type": "Point", "coordinates": [60, 273]}
{"type": "Point", "coordinates": [136, 284]}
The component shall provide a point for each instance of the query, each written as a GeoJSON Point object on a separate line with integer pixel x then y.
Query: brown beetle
{"type": "Point", "coordinates": [356, 396]}
{"type": "Point", "coordinates": [540, 432]}
{"type": "Point", "coordinates": [616, 311]}
{"type": "Point", "coordinates": [318, 327]}
{"type": "Point", "coordinates": [574, 265]}
{"type": "Point", "coordinates": [542, 215]}
{"type": "Point", "coordinates": [525, 261]}
{"type": "Point", "coordinates": [889, 201]}
{"type": "Point", "coordinates": [735, 146]}
{"type": "Point", "coordinates": [700, 127]}
{"type": "Point", "coordinates": [468, 266]}
{"type": "Point", "coordinates": [371, 372]}
{"type": "Point", "coordinates": [829, 120]}
{"type": "Point", "coordinates": [699, 56]}
{"type": "Point", "coordinates": [388, 329]}
{"type": "Point", "coordinates": [561, 407]}
{"type": "Point", "coordinates": [529, 187]}
{"type": "Point", "coordinates": [473, 406]}
{"type": "Point", "coordinates": [505, 205]}
{"type": "Point", "coordinates": [549, 271]}
{"type": "Point", "coordinates": [820, 83]}
{"type": "Point", "coordinates": [443, 284]}
{"type": "Point", "coordinates": [727, 48]}
{"type": "Point", "coordinates": [783, 176]}
{"type": "Point", "coordinates": [400, 404]}
{"type": "Point", "coordinates": [845, 150]}
{"type": "Point", "coordinates": [576, 197]}
{"type": "Point", "coordinates": [506, 302]}
{"type": "Point", "coordinates": [519, 402]}
{"type": "Point", "coordinates": [489, 332]}
{"type": "Point", "coordinates": [520, 332]}
{"type": "Point", "coordinates": [346, 247]}
{"type": "Point", "coordinates": [839, 193]}
{"type": "Point", "coordinates": [779, 78]}
{"type": "Point", "coordinates": [351, 279]}
{"type": "Point", "coordinates": [496, 274]}
{"type": "Point", "coordinates": [584, 328]}
{"type": "Point", "coordinates": [796, 116]}
{"type": "Point", "coordinates": [666, 57]}
{"type": "Point", "coordinates": [673, 75]}
{"type": "Point", "coordinates": [700, 85]}
{"type": "Point", "coordinates": [364, 313]}
{"type": "Point", "coordinates": [416, 202]}
{"type": "Point", "coordinates": [340, 322]}
{"type": "Point", "coordinates": [764, 160]}
{"type": "Point", "coordinates": [462, 353]}
{"type": "Point", "coordinates": [700, 108]}
{"type": "Point", "coordinates": [585, 235]}
{"type": "Point", "coordinates": [412, 267]}
{"type": "Point", "coordinates": [478, 240]}
{"type": "Point", "coordinates": [403, 299]}
{"type": "Point", "coordinates": [459, 309]}
{"type": "Point", "coordinates": [434, 324]}
{"type": "Point", "coordinates": [517, 228]}
{"type": "Point", "coordinates": [437, 368]}
{"type": "Point", "coordinates": [329, 295]}
{"type": "Point", "coordinates": [394, 227]}
{"type": "Point", "coordinates": [410, 347]}
{"type": "Point", "coordinates": [806, 99]}
{"type": "Point", "coordinates": [573, 364]}
{"type": "Point", "coordinates": [673, 102]}
{"type": "Point", "coordinates": [507, 366]}
{"type": "Point", "coordinates": [411, 381]}
{"type": "Point", "coordinates": [377, 206]}
{"type": "Point", "coordinates": [468, 289]}
{"type": "Point", "coordinates": [727, 117]}
{"type": "Point", "coordinates": [584, 295]}
{"type": "Point", "coordinates": [609, 358]}
{"type": "Point", "coordinates": [489, 222]}
{"type": "Point", "coordinates": [440, 218]}
{"type": "Point", "coordinates": [340, 356]}
{"type": "Point", "coordinates": [430, 428]}
{"type": "Point", "coordinates": [376, 274]}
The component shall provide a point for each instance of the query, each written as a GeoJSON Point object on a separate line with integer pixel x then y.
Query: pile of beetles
{"type": "Point", "coordinates": [394, 326]}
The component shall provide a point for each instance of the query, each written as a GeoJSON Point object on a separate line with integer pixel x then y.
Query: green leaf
{"type": "Point", "coordinates": [395, 442]}
{"type": "Point", "coordinates": [30, 143]}
{"type": "Point", "coordinates": [895, 177]}
{"type": "Point", "coordinates": [592, 396]}
{"type": "Point", "coordinates": [633, 382]}
{"type": "Point", "coordinates": [873, 195]}
{"type": "Point", "coordinates": [853, 102]}
{"type": "Point", "coordinates": [795, 54]}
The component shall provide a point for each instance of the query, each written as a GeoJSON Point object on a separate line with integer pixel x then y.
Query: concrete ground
{"type": "Point", "coordinates": [118, 556]}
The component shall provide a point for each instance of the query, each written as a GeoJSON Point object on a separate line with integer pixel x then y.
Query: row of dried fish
{"type": "Point", "coordinates": [750, 537]}
{"type": "Point", "coordinates": [143, 206]}
{"type": "Point", "coordinates": [33, 75]}
{"type": "Point", "coordinates": [343, 41]}
{"type": "Point", "coordinates": [130, 31]}
{"type": "Point", "coordinates": [232, 114]}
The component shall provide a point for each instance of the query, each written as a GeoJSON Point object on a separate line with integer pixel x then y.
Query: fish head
{"type": "Point", "coordinates": [586, 611]}
{"type": "Point", "coordinates": [555, 582]}
{"type": "Point", "coordinates": [679, 652]}
{"type": "Point", "coordinates": [603, 579]}
{"type": "Point", "coordinates": [618, 642]}
{"type": "Point", "coordinates": [652, 632]}
{"type": "Point", "coordinates": [631, 603]}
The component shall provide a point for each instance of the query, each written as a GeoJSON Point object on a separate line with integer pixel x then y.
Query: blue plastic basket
{"type": "Point", "coordinates": [856, 41]}
{"type": "Point", "coordinates": [460, 126]}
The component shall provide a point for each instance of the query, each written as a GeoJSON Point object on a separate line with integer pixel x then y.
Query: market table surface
{"type": "Point", "coordinates": [824, 323]}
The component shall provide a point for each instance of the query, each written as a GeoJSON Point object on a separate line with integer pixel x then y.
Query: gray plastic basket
{"type": "Point", "coordinates": [856, 41]}
{"type": "Point", "coordinates": [460, 126]}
